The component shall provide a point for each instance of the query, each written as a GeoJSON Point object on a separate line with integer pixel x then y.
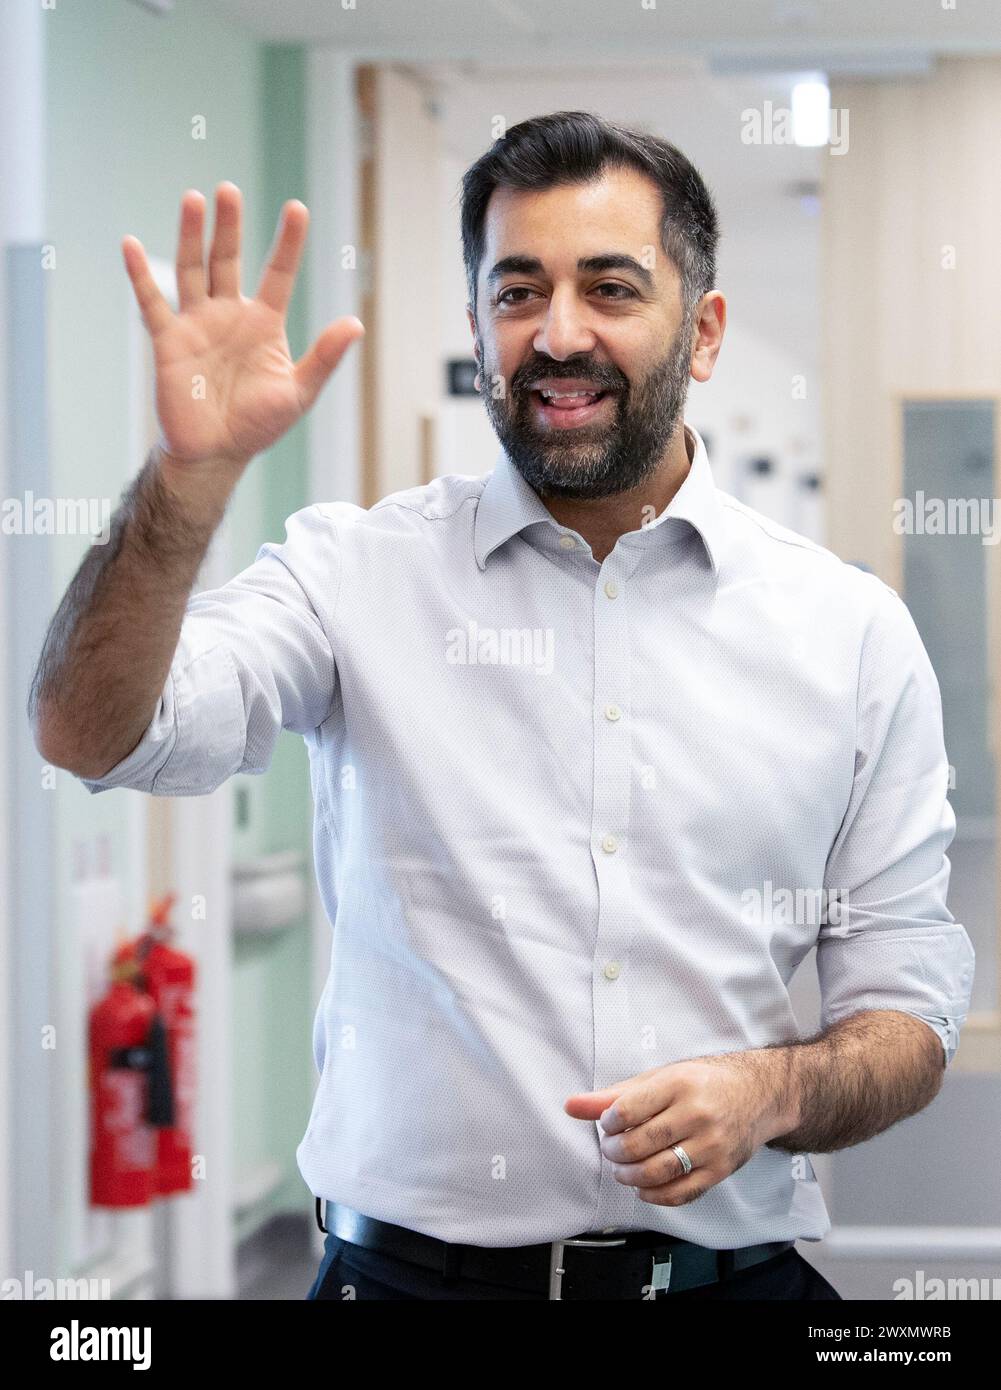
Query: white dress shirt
{"type": "Point", "coordinates": [569, 817]}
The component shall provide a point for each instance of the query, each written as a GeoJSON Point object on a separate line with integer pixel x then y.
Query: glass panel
{"type": "Point", "coordinates": [948, 460]}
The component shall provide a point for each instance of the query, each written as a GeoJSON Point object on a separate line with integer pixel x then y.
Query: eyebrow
{"type": "Point", "coordinates": [610, 260]}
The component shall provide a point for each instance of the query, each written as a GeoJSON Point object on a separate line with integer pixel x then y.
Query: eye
{"type": "Point", "coordinates": [622, 291]}
{"type": "Point", "coordinates": [514, 289]}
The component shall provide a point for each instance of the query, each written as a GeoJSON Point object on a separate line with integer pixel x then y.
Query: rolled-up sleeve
{"type": "Point", "coordinates": [891, 942]}
{"type": "Point", "coordinates": [253, 657]}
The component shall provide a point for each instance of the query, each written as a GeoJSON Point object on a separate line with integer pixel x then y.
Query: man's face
{"type": "Point", "coordinates": [584, 355]}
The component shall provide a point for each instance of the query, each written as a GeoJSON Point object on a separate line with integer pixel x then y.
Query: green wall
{"type": "Point", "coordinates": [124, 87]}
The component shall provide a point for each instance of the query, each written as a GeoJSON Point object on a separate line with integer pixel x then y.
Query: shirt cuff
{"type": "Point", "coordinates": [926, 971]}
{"type": "Point", "coordinates": [197, 735]}
{"type": "Point", "coordinates": [947, 1030]}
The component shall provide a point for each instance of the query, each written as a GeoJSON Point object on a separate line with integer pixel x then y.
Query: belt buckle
{"type": "Point", "coordinates": [556, 1269]}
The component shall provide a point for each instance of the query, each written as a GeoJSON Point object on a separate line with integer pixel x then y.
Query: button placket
{"type": "Point", "coordinates": [610, 830]}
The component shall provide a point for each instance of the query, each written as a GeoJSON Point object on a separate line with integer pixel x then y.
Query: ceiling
{"type": "Point", "coordinates": [547, 32]}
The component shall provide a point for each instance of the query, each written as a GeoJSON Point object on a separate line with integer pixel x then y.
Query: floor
{"type": "Point", "coordinates": [279, 1261]}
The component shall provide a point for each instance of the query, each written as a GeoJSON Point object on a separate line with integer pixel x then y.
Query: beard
{"type": "Point", "coordinates": [601, 459]}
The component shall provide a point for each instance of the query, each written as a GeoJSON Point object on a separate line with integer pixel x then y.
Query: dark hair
{"type": "Point", "coordinates": [577, 146]}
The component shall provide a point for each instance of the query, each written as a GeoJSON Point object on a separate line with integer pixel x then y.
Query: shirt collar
{"type": "Point", "coordinates": [508, 504]}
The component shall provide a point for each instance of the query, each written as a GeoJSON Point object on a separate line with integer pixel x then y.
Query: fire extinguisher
{"type": "Point", "coordinates": [168, 976]}
{"type": "Point", "coordinates": [127, 1053]}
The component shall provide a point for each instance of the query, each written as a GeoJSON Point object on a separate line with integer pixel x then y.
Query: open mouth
{"type": "Point", "coordinates": [566, 409]}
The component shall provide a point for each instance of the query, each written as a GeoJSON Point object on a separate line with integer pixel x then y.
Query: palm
{"type": "Point", "coordinates": [225, 380]}
{"type": "Point", "coordinates": [226, 383]}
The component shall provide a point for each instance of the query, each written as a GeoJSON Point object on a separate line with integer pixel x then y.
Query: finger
{"type": "Point", "coordinates": [190, 255]}
{"type": "Point", "coordinates": [313, 368]}
{"type": "Point", "coordinates": [224, 257]}
{"type": "Point", "coordinates": [655, 1167]}
{"type": "Point", "coordinates": [679, 1192]}
{"type": "Point", "coordinates": [643, 1098]}
{"type": "Point", "coordinates": [655, 1136]}
{"type": "Point", "coordinates": [278, 279]}
{"type": "Point", "coordinates": [156, 312]}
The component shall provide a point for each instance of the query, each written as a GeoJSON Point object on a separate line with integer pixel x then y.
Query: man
{"type": "Point", "coordinates": [573, 728]}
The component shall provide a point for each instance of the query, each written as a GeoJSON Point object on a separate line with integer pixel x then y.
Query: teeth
{"type": "Point", "coordinates": [565, 395]}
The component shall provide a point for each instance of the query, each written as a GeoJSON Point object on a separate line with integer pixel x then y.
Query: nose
{"type": "Point", "coordinates": [564, 331]}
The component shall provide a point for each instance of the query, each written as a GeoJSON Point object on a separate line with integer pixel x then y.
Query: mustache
{"type": "Point", "coordinates": [602, 376]}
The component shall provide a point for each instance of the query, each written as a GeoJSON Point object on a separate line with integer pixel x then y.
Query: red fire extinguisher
{"type": "Point", "coordinates": [168, 976]}
{"type": "Point", "coordinates": [127, 1055]}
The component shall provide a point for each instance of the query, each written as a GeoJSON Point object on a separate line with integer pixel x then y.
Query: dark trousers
{"type": "Point", "coordinates": [348, 1271]}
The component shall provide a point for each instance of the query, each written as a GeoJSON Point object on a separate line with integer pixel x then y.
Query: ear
{"type": "Point", "coordinates": [477, 350]}
{"type": "Point", "coordinates": [708, 337]}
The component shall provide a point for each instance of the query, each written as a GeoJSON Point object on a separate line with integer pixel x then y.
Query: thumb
{"type": "Point", "coordinates": [315, 366]}
{"type": "Point", "coordinates": [589, 1105]}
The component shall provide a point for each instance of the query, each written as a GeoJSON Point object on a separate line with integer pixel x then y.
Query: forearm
{"type": "Point", "coordinates": [110, 644]}
{"type": "Point", "coordinates": [853, 1081]}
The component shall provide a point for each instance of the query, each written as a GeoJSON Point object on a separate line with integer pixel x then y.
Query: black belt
{"type": "Point", "coordinates": [597, 1264]}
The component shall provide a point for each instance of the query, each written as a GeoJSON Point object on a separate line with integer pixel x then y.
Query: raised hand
{"type": "Point", "coordinates": [226, 384]}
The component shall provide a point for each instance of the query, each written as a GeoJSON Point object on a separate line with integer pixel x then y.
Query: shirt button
{"type": "Point", "coordinates": [609, 844]}
{"type": "Point", "coordinates": [613, 712]}
{"type": "Point", "coordinates": [611, 588]}
{"type": "Point", "coordinates": [612, 970]}
{"type": "Point", "coordinates": [567, 542]}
